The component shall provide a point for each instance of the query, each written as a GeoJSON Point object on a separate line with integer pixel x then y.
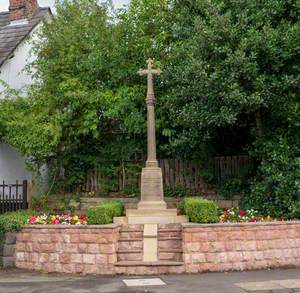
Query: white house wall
{"type": "Point", "coordinates": [13, 72]}
{"type": "Point", "coordinates": [12, 164]}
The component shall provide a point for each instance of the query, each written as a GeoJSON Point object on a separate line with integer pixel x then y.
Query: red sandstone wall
{"type": "Point", "coordinates": [225, 247]}
{"type": "Point", "coordinates": [215, 247]}
{"type": "Point", "coordinates": [68, 249]}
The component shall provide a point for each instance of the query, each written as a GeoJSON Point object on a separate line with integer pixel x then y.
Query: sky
{"type": "Point", "coordinates": [50, 3]}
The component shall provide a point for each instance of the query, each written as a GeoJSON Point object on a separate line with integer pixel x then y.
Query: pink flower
{"type": "Point", "coordinates": [32, 220]}
{"type": "Point", "coordinates": [55, 222]}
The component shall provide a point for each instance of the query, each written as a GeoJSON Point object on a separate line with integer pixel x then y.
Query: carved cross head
{"type": "Point", "coordinates": [149, 71]}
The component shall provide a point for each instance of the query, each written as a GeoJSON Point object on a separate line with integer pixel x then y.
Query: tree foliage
{"type": "Point", "coordinates": [230, 85]}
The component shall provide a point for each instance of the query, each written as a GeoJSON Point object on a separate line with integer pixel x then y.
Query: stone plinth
{"type": "Point", "coordinates": [152, 194]}
{"type": "Point", "coordinates": [152, 209]}
{"type": "Point", "coordinates": [151, 216]}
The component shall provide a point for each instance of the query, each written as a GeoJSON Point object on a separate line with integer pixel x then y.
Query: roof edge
{"type": "Point", "coordinates": [18, 44]}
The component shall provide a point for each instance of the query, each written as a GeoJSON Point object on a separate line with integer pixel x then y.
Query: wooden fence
{"type": "Point", "coordinates": [232, 166]}
{"type": "Point", "coordinates": [13, 197]}
{"type": "Point", "coordinates": [176, 173]}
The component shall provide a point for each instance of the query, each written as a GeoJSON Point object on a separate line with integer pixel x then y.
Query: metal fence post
{"type": "Point", "coordinates": [25, 185]}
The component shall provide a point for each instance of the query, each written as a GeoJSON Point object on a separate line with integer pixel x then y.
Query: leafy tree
{"type": "Point", "coordinates": [87, 106]}
{"type": "Point", "coordinates": [230, 85]}
{"type": "Point", "coordinates": [230, 65]}
{"type": "Point", "coordinates": [234, 65]}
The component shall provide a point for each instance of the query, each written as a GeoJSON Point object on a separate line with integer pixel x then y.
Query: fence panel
{"type": "Point", "coordinates": [232, 166]}
{"type": "Point", "coordinates": [13, 197]}
{"type": "Point", "coordinates": [176, 173]}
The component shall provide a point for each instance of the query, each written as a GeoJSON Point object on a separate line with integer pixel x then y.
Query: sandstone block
{"type": "Point", "coordinates": [93, 248]}
{"type": "Point", "coordinates": [88, 259]}
{"type": "Point", "coordinates": [198, 257]}
{"type": "Point", "coordinates": [76, 258]}
{"type": "Point", "coordinates": [68, 268]}
{"type": "Point", "coordinates": [64, 258]}
{"type": "Point", "coordinates": [82, 248]}
{"type": "Point", "coordinates": [8, 261]}
{"type": "Point", "coordinates": [70, 247]}
{"type": "Point", "coordinates": [199, 237]}
{"type": "Point", "coordinates": [74, 238]}
{"type": "Point", "coordinates": [47, 247]}
{"type": "Point", "coordinates": [9, 249]}
{"type": "Point", "coordinates": [108, 248]}
{"type": "Point", "coordinates": [20, 246]}
{"type": "Point", "coordinates": [10, 238]}
{"type": "Point", "coordinates": [53, 257]}
{"type": "Point", "coordinates": [43, 257]}
{"type": "Point", "coordinates": [88, 238]}
{"type": "Point", "coordinates": [20, 256]}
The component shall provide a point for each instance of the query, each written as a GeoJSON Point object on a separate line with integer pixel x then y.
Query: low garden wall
{"type": "Point", "coordinates": [239, 247]}
{"type": "Point", "coordinates": [68, 249]}
{"type": "Point", "coordinates": [211, 247]}
{"type": "Point", "coordinates": [7, 250]}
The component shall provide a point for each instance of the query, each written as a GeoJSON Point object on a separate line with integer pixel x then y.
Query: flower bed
{"type": "Point", "coordinates": [235, 215]}
{"type": "Point", "coordinates": [57, 220]}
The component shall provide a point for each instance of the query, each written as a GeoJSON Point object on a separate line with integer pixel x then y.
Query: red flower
{"type": "Point", "coordinates": [242, 213]}
{"type": "Point", "coordinates": [252, 220]}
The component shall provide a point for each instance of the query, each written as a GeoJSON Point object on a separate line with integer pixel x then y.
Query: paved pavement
{"type": "Point", "coordinates": [271, 281]}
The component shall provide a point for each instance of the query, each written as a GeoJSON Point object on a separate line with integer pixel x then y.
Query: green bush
{"type": "Point", "coordinates": [105, 212]}
{"type": "Point", "coordinates": [200, 210]}
{"type": "Point", "coordinates": [231, 186]}
{"type": "Point", "coordinates": [14, 221]}
{"type": "Point", "coordinates": [175, 191]}
{"type": "Point", "coordinates": [275, 191]}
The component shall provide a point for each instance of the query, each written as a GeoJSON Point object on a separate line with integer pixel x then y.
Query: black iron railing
{"type": "Point", "coordinates": [13, 196]}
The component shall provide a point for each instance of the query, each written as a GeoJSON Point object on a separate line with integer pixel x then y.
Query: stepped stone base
{"type": "Point", "coordinates": [151, 220]}
{"type": "Point", "coordinates": [151, 216]}
{"type": "Point", "coordinates": [149, 268]}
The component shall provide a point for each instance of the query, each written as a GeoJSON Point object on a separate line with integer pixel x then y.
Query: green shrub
{"type": "Point", "coordinates": [200, 210]}
{"type": "Point", "coordinates": [105, 212]}
{"type": "Point", "coordinates": [14, 221]}
{"type": "Point", "coordinates": [231, 186]}
{"type": "Point", "coordinates": [175, 191]}
{"type": "Point", "coordinates": [275, 191]}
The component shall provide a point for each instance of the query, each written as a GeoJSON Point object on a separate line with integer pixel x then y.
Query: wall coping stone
{"type": "Point", "coordinates": [197, 225]}
{"type": "Point", "coordinates": [37, 227]}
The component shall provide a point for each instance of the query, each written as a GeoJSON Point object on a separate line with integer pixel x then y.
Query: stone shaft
{"type": "Point", "coordinates": [151, 139]}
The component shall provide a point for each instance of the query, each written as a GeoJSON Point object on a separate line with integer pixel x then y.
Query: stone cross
{"type": "Point", "coordinates": [151, 159]}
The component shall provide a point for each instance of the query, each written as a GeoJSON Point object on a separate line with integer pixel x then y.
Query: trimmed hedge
{"type": "Point", "coordinates": [14, 221]}
{"type": "Point", "coordinates": [105, 212]}
{"type": "Point", "coordinates": [200, 210]}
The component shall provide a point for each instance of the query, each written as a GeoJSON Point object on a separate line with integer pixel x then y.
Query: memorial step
{"type": "Point", "coordinates": [170, 242]}
{"type": "Point", "coordinates": [151, 212]}
{"type": "Point", "coordinates": [130, 244]}
{"type": "Point", "coordinates": [153, 219]}
{"type": "Point", "coordinates": [148, 264]}
{"type": "Point", "coordinates": [149, 268]}
{"type": "Point", "coordinates": [170, 256]}
{"type": "Point", "coordinates": [130, 255]}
